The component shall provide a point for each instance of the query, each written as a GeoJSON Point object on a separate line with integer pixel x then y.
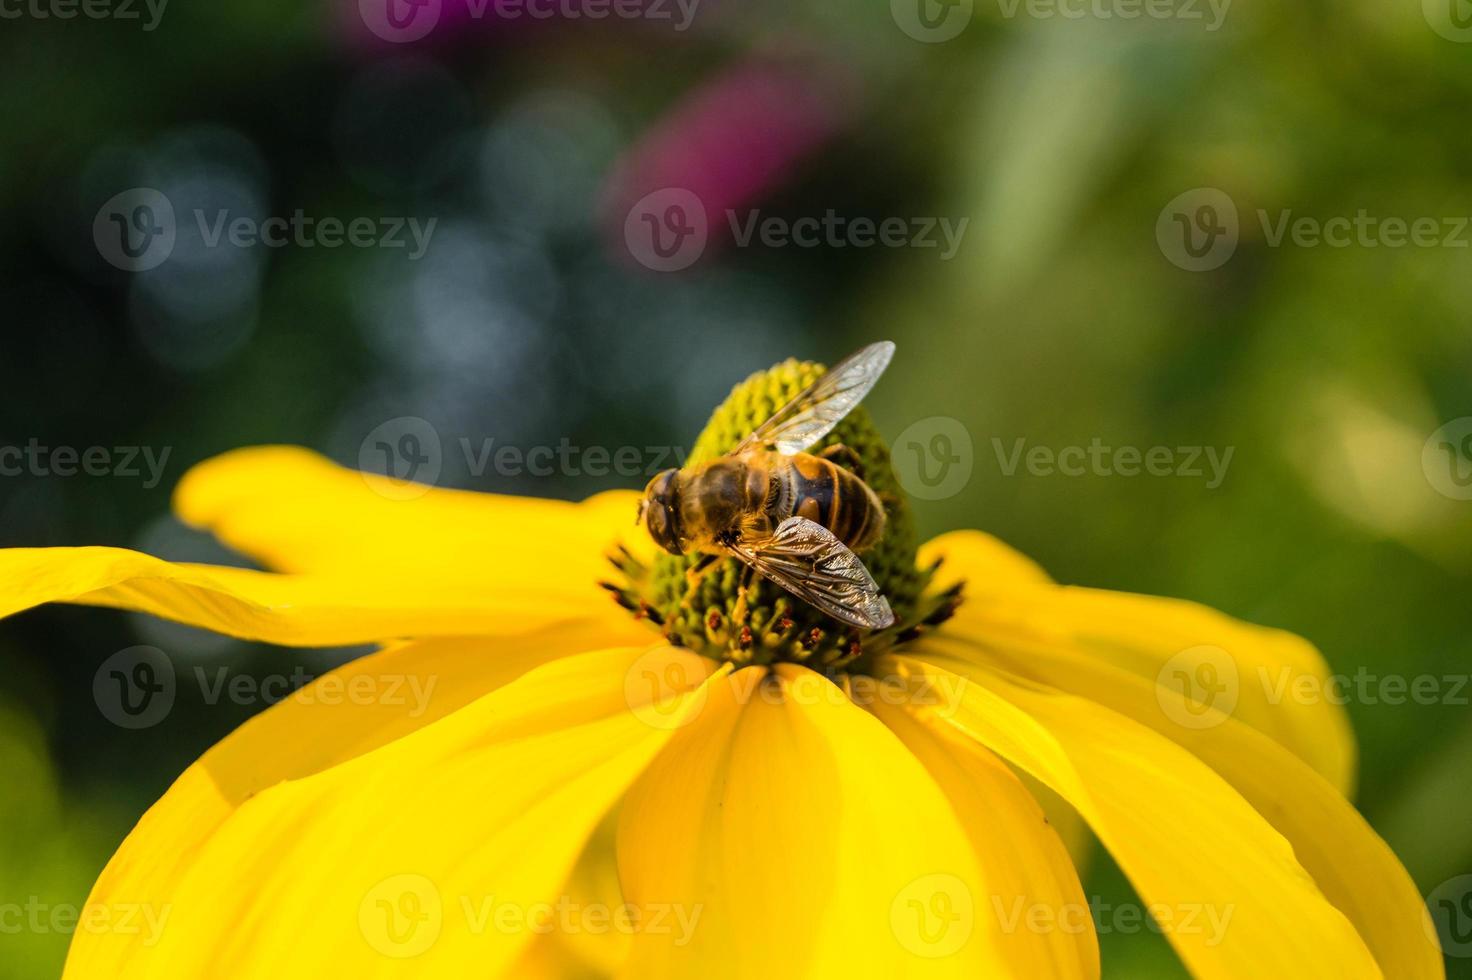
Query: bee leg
{"type": "Point", "coordinates": [698, 571]}
{"type": "Point", "coordinates": [845, 457]}
{"type": "Point", "coordinates": [738, 612]}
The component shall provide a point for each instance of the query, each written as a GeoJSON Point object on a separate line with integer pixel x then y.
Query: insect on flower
{"type": "Point", "coordinates": [795, 518]}
{"type": "Point", "coordinates": [726, 783]}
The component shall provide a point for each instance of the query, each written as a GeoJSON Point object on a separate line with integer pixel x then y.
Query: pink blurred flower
{"type": "Point", "coordinates": [728, 144]}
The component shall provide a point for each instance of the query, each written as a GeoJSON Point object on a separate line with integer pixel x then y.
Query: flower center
{"type": "Point", "coordinates": [706, 612]}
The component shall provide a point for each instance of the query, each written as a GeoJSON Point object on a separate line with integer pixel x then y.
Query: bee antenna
{"type": "Point", "coordinates": [643, 503]}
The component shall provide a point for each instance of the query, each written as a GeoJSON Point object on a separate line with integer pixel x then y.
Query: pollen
{"type": "Point", "coordinates": [768, 625]}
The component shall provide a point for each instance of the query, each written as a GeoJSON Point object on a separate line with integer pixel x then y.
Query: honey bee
{"type": "Point", "coordinates": [796, 518]}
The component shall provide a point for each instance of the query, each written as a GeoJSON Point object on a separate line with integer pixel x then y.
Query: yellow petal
{"type": "Point", "coordinates": [1054, 633]}
{"type": "Point", "coordinates": [296, 511]}
{"type": "Point", "coordinates": [980, 560]}
{"type": "Point", "coordinates": [1229, 893]}
{"type": "Point", "coordinates": [298, 610]}
{"type": "Point", "coordinates": [438, 853]}
{"type": "Point", "coordinates": [595, 944]}
{"type": "Point", "coordinates": [1072, 829]}
{"type": "Point", "coordinates": [545, 958]}
{"type": "Point", "coordinates": [1356, 870]}
{"type": "Point", "coordinates": [362, 566]}
{"type": "Point", "coordinates": [1035, 893]}
{"type": "Point", "coordinates": [798, 837]}
{"type": "Point", "coordinates": [352, 710]}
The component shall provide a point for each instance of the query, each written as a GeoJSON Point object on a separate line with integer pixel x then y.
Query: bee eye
{"type": "Point", "coordinates": [661, 527]}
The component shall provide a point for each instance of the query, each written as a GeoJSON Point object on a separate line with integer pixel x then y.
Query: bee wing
{"type": "Point", "coordinates": [823, 404]}
{"type": "Point", "coordinates": [806, 559]}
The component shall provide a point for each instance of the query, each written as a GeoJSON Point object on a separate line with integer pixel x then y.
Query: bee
{"type": "Point", "coordinates": [795, 518]}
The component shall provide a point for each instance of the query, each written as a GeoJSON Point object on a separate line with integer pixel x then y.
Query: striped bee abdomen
{"type": "Point", "coordinates": [825, 492]}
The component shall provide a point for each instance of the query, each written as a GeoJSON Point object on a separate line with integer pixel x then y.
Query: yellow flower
{"type": "Point", "coordinates": [575, 796]}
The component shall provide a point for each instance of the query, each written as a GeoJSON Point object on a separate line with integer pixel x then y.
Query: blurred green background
{"type": "Point", "coordinates": [1067, 314]}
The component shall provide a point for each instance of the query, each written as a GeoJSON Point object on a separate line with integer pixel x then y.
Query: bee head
{"type": "Point", "coordinates": [660, 510]}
